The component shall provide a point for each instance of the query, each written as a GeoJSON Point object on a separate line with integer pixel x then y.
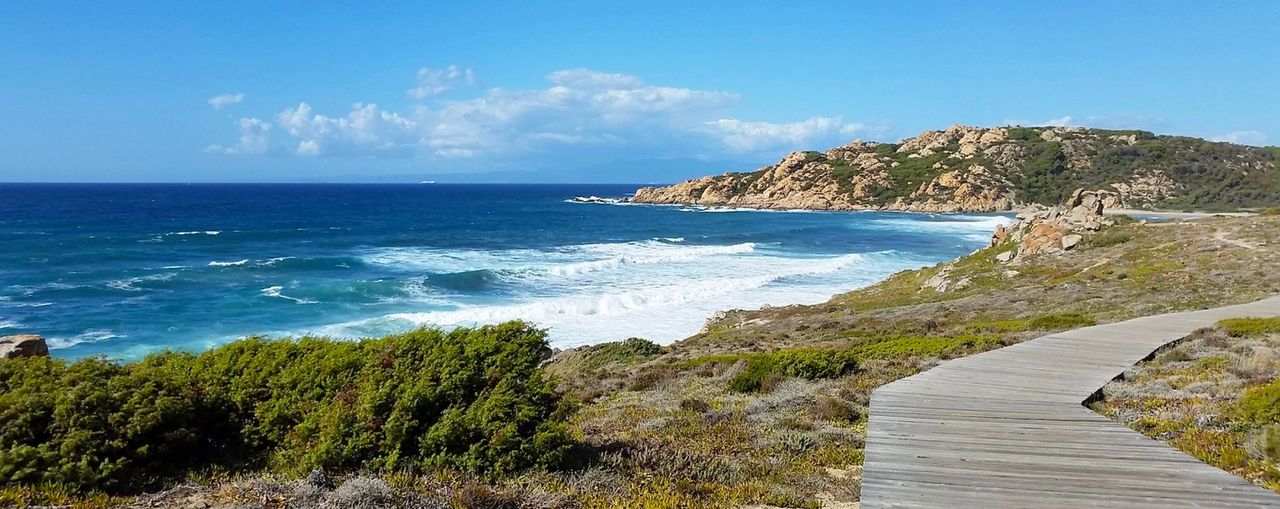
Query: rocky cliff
{"type": "Point", "coordinates": [979, 169]}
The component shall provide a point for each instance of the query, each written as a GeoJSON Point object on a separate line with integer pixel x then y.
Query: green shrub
{"type": "Point", "coordinates": [1260, 406]}
{"type": "Point", "coordinates": [763, 370]}
{"type": "Point", "coordinates": [921, 346]}
{"type": "Point", "coordinates": [1242, 327]}
{"type": "Point", "coordinates": [1108, 238]}
{"type": "Point", "coordinates": [1273, 211]}
{"type": "Point", "coordinates": [471, 400]}
{"type": "Point", "coordinates": [752, 379]}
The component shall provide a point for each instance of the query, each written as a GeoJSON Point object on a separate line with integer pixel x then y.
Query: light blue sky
{"type": "Point", "coordinates": [125, 91]}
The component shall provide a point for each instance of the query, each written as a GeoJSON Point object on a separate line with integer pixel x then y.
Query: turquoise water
{"type": "Point", "coordinates": [122, 270]}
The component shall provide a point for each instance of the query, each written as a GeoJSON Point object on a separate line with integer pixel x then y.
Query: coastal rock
{"type": "Point", "coordinates": [1069, 242]}
{"type": "Point", "coordinates": [23, 345]}
{"type": "Point", "coordinates": [1006, 256]}
{"type": "Point", "coordinates": [1001, 234]}
{"type": "Point", "coordinates": [967, 169]}
{"type": "Point", "coordinates": [1041, 238]}
{"type": "Point", "coordinates": [1042, 230]}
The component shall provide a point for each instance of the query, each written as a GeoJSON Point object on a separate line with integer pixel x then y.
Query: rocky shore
{"type": "Point", "coordinates": [976, 169]}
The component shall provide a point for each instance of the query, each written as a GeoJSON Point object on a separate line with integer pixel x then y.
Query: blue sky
{"type": "Point", "coordinates": [228, 91]}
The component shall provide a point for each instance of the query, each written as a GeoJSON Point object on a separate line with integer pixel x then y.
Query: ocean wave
{"type": "Point", "coordinates": [126, 285]}
{"type": "Point", "coordinates": [597, 200]}
{"type": "Point", "coordinates": [559, 262]}
{"type": "Point", "coordinates": [88, 336]}
{"type": "Point", "coordinates": [274, 291]}
{"type": "Point", "coordinates": [609, 304]}
{"type": "Point", "coordinates": [9, 324]}
{"type": "Point", "coordinates": [228, 264]}
{"type": "Point", "coordinates": [28, 304]}
{"type": "Point", "coordinates": [645, 253]}
{"type": "Point", "coordinates": [205, 232]}
{"type": "Point", "coordinates": [272, 261]}
{"type": "Point", "coordinates": [971, 227]}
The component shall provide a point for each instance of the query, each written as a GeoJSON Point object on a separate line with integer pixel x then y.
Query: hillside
{"type": "Point", "coordinates": [977, 169]}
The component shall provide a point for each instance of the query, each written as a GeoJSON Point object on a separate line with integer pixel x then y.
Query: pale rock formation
{"type": "Point", "coordinates": [23, 345]}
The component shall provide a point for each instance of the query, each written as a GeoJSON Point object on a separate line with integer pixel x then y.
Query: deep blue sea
{"type": "Point", "coordinates": [123, 270]}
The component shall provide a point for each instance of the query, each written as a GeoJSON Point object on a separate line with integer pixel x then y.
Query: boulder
{"type": "Point", "coordinates": [1001, 235]}
{"type": "Point", "coordinates": [23, 345]}
{"type": "Point", "coordinates": [1041, 238]}
{"type": "Point", "coordinates": [1070, 241]}
{"type": "Point", "coordinates": [1006, 256]}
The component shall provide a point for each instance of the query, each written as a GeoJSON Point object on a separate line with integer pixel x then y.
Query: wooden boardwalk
{"type": "Point", "coordinates": [1007, 428]}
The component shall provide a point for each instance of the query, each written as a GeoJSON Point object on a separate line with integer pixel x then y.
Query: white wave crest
{"type": "Point", "coordinates": [126, 285]}
{"type": "Point", "coordinates": [560, 262]}
{"type": "Point", "coordinates": [228, 264]}
{"type": "Point", "coordinates": [88, 336]}
{"type": "Point", "coordinates": [274, 291]}
{"type": "Point", "coordinates": [645, 253]}
{"type": "Point", "coordinates": [9, 324]}
{"type": "Point", "coordinates": [205, 232]}
{"type": "Point", "coordinates": [668, 295]}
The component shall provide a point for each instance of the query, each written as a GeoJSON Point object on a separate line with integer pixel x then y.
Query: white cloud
{"type": "Point", "coordinates": [222, 101]}
{"type": "Point", "coordinates": [366, 129]}
{"type": "Point", "coordinates": [253, 138]}
{"type": "Point", "coordinates": [433, 82]}
{"type": "Point", "coordinates": [764, 136]}
{"type": "Point", "coordinates": [1064, 121]}
{"type": "Point", "coordinates": [1247, 137]}
{"type": "Point", "coordinates": [580, 112]}
{"type": "Point", "coordinates": [1099, 122]}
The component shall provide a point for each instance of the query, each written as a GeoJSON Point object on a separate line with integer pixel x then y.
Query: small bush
{"type": "Point", "coordinates": [694, 405]}
{"type": "Point", "coordinates": [752, 379]}
{"type": "Point", "coordinates": [1273, 211]}
{"type": "Point", "coordinates": [1259, 406]}
{"type": "Point", "coordinates": [1264, 443]}
{"type": "Point", "coordinates": [765, 370]}
{"type": "Point", "coordinates": [1108, 238]}
{"type": "Point", "coordinates": [835, 410]}
{"type": "Point", "coordinates": [1244, 327]}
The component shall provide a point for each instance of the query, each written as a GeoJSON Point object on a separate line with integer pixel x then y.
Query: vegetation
{"type": "Point", "coordinates": [471, 400]}
{"type": "Point", "coordinates": [1244, 327]}
{"type": "Point", "coordinates": [764, 371]}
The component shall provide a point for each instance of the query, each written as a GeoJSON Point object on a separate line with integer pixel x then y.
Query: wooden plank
{"type": "Point", "coordinates": [1007, 428]}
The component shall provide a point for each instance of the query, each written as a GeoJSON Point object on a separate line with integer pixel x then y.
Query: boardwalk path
{"type": "Point", "coordinates": [1007, 428]}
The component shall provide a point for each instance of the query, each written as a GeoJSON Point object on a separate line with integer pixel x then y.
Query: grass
{"type": "Point", "coordinates": [1245, 327]}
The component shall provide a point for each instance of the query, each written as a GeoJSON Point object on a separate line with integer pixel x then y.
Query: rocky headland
{"type": "Point", "coordinates": [977, 169]}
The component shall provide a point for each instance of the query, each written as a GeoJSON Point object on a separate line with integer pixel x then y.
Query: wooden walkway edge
{"type": "Point", "coordinates": [1007, 428]}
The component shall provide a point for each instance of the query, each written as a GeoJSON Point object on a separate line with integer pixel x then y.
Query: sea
{"type": "Point", "coordinates": [122, 270]}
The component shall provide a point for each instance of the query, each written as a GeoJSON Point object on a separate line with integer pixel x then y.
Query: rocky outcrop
{"type": "Point", "coordinates": [23, 345]}
{"type": "Point", "coordinates": [1053, 229]}
{"type": "Point", "coordinates": [975, 169]}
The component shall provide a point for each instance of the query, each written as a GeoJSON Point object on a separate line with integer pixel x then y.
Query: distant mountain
{"type": "Point", "coordinates": [966, 168]}
{"type": "Point", "coordinates": [635, 171]}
